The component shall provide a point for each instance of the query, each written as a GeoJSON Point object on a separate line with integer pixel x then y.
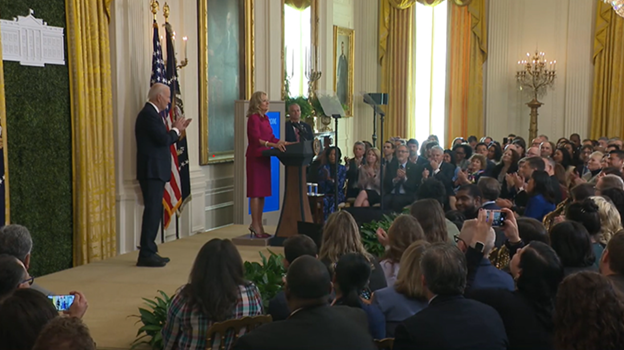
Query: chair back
{"type": "Point", "coordinates": [220, 329]}
{"type": "Point", "coordinates": [384, 344]}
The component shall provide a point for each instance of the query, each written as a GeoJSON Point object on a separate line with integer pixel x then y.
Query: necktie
{"type": "Point", "coordinates": [296, 126]}
{"type": "Point", "coordinates": [397, 187]}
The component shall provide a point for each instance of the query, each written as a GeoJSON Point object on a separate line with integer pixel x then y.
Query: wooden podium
{"type": "Point", "coordinates": [295, 206]}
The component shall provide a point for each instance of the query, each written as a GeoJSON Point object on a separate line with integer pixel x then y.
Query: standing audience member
{"type": "Point", "coordinates": [368, 181]}
{"type": "Point", "coordinates": [216, 292]}
{"type": "Point", "coordinates": [437, 169]}
{"type": "Point", "coordinates": [351, 277]}
{"type": "Point", "coordinates": [572, 243]}
{"type": "Point", "coordinates": [404, 230]}
{"type": "Point", "coordinates": [412, 145]}
{"type": "Point", "coordinates": [388, 151]}
{"type": "Point", "coordinates": [294, 247]}
{"type": "Point", "coordinates": [407, 296]}
{"type": "Point", "coordinates": [65, 333]}
{"type": "Point", "coordinates": [314, 324]}
{"type": "Point", "coordinates": [612, 262]}
{"type": "Point", "coordinates": [450, 321]}
{"type": "Point", "coordinates": [589, 314]}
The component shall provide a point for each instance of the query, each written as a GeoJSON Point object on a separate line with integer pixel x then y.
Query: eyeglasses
{"type": "Point", "coordinates": [457, 239]}
{"type": "Point", "coordinates": [30, 280]}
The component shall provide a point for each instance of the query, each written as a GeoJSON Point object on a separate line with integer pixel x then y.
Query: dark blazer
{"type": "Point", "coordinates": [445, 176]}
{"type": "Point", "coordinates": [291, 136]}
{"type": "Point", "coordinates": [153, 141]}
{"type": "Point", "coordinates": [278, 307]}
{"type": "Point", "coordinates": [410, 185]}
{"type": "Point", "coordinates": [488, 276]}
{"type": "Point", "coordinates": [452, 322]}
{"type": "Point", "coordinates": [321, 327]}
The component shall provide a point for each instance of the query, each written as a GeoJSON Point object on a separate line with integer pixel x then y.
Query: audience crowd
{"type": "Point", "coordinates": [496, 245]}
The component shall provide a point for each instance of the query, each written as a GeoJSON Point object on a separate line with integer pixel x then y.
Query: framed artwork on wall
{"type": "Point", "coordinates": [343, 66]}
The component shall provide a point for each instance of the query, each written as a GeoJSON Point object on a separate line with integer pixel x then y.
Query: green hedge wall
{"type": "Point", "coordinates": [39, 145]}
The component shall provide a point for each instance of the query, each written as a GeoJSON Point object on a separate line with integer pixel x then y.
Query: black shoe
{"type": "Point", "coordinates": [152, 261]}
{"type": "Point", "coordinates": [162, 258]}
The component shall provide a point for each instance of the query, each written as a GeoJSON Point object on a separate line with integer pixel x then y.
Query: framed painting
{"type": "Point", "coordinates": [343, 67]}
{"type": "Point", "coordinates": [226, 64]}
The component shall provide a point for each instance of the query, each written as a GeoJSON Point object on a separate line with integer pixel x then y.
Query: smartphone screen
{"type": "Point", "coordinates": [61, 302]}
{"type": "Point", "coordinates": [366, 294]}
{"type": "Point", "coordinates": [496, 217]}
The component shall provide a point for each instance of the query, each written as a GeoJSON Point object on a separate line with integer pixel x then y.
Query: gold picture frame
{"type": "Point", "coordinates": [246, 81]}
{"type": "Point", "coordinates": [344, 44]}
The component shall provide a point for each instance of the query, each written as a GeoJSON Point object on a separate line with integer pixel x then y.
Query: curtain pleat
{"type": "Point", "coordinates": [608, 96]}
{"type": "Point", "coordinates": [93, 159]}
{"type": "Point", "coordinates": [478, 55]}
{"type": "Point", "coordinates": [459, 68]}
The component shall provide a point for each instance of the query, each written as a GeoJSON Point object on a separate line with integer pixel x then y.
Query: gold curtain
{"type": "Point", "coordinates": [298, 4]}
{"type": "Point", "coordinates": [3, 135]}
{"type": "Point", "coordinates": [608, 98]}
{"type": "Point", "coordinates": [396, 29]}
{"type": "Point", "coordinates": [468, 54]}
{"type": "Point", "coordinates": [92, 130]}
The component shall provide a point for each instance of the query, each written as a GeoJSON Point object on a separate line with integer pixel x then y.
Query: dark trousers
{"type": "Point", "coordinates": [152, 191]}
{"type": "Point", "coordinates": [396, 202]}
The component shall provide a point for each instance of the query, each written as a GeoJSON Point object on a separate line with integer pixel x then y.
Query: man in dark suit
{"type": "Point", "coordinates": [490, 189]}
{"type": "Point", "coordinates": [154, 167]}
{"type": "Point", "coordinates": [400, 181]}
{"type": "Point", "coordinates": [437, 168]}
{"type": "Point", "coordinates": [450, 321]}
{"type": "Point", "coordinates": [296, 130]}
{"type": "Point", "coordinates": [313, 324]}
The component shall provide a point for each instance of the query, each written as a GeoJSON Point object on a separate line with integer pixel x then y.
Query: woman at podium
{"type": "Point", "coordinates": [260, 137]}
{"type": "Point", "coordinates": [331, 171]}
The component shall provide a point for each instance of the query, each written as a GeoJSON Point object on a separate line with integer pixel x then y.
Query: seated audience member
{"type": "Point", "coordinates": [541, 200]}
{"type": "Point", "coordinates": [520, 146]}
{"type": "Point", "coordinates": [353, 166]}
{"type": "Point", "coordinates": [610, 220]}
{"type": "Point", "coordinates": [530, 230]}
{"type": "Point", "coordinates": [368, 181]}
{"type": "Point", "coordinates": [562, 156]}
{"type": "Point", "coordinates": [616, 159]}
{"type": "Point", "coordinates": [433, 189]}
{"type": "Point", "coordinates": [457, 218]}
{"type": "Point", "coordinates": [351, 277]}
{"type": "Point", "coordinates": [331, 171]}
{"type": "Point", "coordinates": [572, 243]}
{"type": "Point", "coordinates": [534, 151]}
{"type": "Point", "coordinates": [546, 149]}
{"type": "Point", "coordinates": [490, 189]}
{"type": "Point", "coordinates": [589, 314]}
{"type": "Point", "coordinates": [15, 240]}
{"type": "Point", "coordinates": [314, 324]}
{"type": "Point", "coordinates": [526, 311]}
{"type": "Point", "coordinates": [400, 182]}
{"type": "Point", "coordinates": [616, 196]}
{"type": "Point", "coordinates": [495, 152]}
{"type": "Point", "coordinates": [217, 292]}
{"type": "Point", "coordinates": [463, 152]}
{"type": "Point", "coordinates": [388, 152]}
{"type": "Point", "coordinates": [437, 169]}
{"type": "Point", "coordinates": [65, 333]}
{"type": "Point", "coordinates": [13, 275]}
{"type": "Point", "coordinates": [341, 235]}
{"type": "Point", "coordinates": [478, 164]}
{"type": "Point", "coordinates": [294, 247]}
{"type": "Point", "coordinates": [450, 321]}
{"type": "Point", "coordinates": [582, 191]}
{"type": "Point", "coordinates": [586, 212]}
{"type": "Point", "coordinates": [507, 165]}
{"type": "Point", "coordinates": [585, 155]}
{"type": "Point", "coordinates": [412, 146]}
{"type": "Point", "coordinates": [404, 230]}
{"type": "Point", "coordinates": [468, 200]}
{"type": "Point", "coordinates": [407, 296]}
{"type": "Point", "coordinates": [486, 276]}
{"type": "Point", "coordinates": [576, 140]}
{"type": "Point", "coordinates": [612, 261]}
{"type": "Point", "coordinates": [430, 215]}
{"type": "Point", "coordinates": [608, 181]}
{"type": "Point", "coordinates": [22, 317]}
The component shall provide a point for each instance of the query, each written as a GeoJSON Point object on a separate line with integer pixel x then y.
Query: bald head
{"type": "Point", "coordinates": [533, 151]}
{"type": "Point", "coordinates": [467, 234]}
{"type": "Point", "coordinates": [159, 95]}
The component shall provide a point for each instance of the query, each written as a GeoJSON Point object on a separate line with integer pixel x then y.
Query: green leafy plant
{"type": "Point", "coordinates": [153, 319]}
{"type": "Point", "coordinates": [369, 235]}
{"type": "Point", "coordinates": [266, 276]}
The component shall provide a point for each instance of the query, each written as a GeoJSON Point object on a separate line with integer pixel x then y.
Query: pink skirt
{"type": "Point", "coordinates": [258, 176]}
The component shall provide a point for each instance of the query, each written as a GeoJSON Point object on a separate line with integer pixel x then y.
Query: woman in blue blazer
{"type": "Point", "coordinates": [542, 197]}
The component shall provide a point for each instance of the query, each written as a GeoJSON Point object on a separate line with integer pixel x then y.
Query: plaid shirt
{"type": "Point", "coordinates": [187, 328]}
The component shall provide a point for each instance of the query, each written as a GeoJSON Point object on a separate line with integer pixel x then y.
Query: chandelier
{"type": "Point", "coordinates": [618, 6]}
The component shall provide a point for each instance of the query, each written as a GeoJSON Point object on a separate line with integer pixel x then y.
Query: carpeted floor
{"type": "Point", "coordinates": [114, 287]}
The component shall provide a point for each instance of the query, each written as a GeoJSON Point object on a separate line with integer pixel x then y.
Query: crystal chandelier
{"type": "Point", "coordinates": [618, 6]}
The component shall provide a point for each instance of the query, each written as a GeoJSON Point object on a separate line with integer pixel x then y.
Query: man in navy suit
{"type": "Point", "coordinates": [296, 130]}
{"type": "Point", "coordinates": [400, 181]}
{"type": "Point", "coordinates": [154, 167]}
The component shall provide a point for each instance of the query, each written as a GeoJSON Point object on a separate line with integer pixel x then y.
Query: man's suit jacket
{"type": "Point", "coordinates": [452, 323]}
{"type": "Point", "coordinates": [445, 175]}
{"type": "Point", "coordinates": [291, 136]}
{"type": "Point", "coordinates": [321, 327]}
{"type": "Point", "coordinates": [409, 185]}
{"type": "Point", "coordinates": [153, 141]}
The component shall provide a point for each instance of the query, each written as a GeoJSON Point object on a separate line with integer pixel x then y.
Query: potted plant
{"type": "Point", "coordinates": [153, 319]}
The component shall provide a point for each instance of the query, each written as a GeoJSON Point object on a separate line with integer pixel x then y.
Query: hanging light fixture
{"type": "Point", "coordinates": [618, 6]}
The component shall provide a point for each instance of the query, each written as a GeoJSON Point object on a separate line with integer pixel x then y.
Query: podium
{"type": "Point", "coordinates": [295, 205]}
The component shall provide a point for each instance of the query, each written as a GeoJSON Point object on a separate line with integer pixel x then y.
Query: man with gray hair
{"type": "Point", "coordinates": [609, 181]}
{"type": "Point", "coordinates": [450, 321]}
{"type": "Point", "coordinates": [15, 240]}
{"type": "Point", "coordinates": [437, 168]}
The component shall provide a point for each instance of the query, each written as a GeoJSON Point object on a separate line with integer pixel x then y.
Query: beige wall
{"type": "Point", "coordinates": [212, 186]}
{"type": "Point", "coordinates": [564, 30]}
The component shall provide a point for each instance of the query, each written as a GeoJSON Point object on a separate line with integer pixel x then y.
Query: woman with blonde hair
{"type": "Point", "coordinates": [259, 137]}
{"type": "Point", "coordinates": [407, 296]}
{"type": "Point", "coordinates": [369, 180]}
{"type": "Point", "coordinates": [610, 220]}
{"type": "Point", "coordinates": [404, 230]}
{"type": "Point", "coordinates": [341, 236]}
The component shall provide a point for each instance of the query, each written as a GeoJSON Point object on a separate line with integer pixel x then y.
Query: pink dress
{"type": "Point", "coordinates": [258, 167]}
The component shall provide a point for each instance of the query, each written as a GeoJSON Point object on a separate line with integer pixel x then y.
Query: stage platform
{"type": "Point", "coordinates": [114, 287]}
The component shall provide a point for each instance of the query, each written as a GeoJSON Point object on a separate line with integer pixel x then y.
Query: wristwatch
{"type": "Point", "coordinates": [479, 246]}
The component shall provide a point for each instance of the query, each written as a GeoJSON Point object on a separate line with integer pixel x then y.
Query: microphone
{"type": "Point", "coordinates": [302, 131]}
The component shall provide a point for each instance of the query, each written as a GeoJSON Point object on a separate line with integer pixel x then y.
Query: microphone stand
{"type": "Point", "coordinates": [337, 160]}
{"type": "Point", "coordinates": [382, 117]}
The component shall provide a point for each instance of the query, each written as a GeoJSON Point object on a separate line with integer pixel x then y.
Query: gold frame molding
{"type": "Point", "coordinates": [351, 34]}
{"type": "Point", "coordinates": [247, 68]}
{"type": "Point", "coordinates": [314, 21]}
